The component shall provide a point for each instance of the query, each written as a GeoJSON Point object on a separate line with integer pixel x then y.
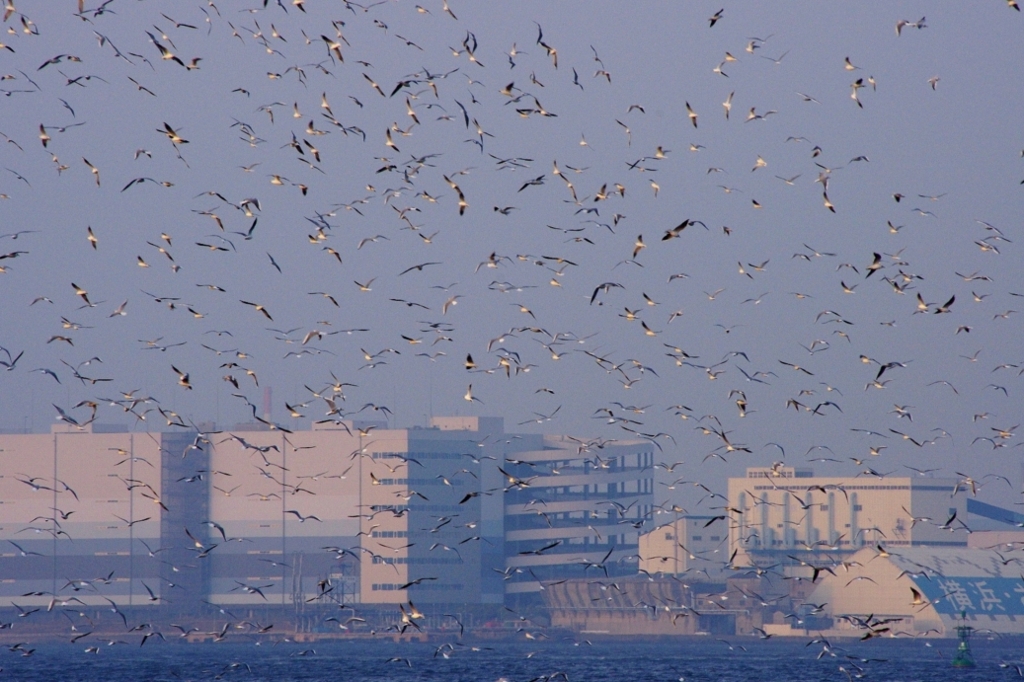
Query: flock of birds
{"type": "Point", "coordinates": [446, 208]}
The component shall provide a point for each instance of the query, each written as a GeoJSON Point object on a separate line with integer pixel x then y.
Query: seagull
{"type": "Point", "coordinates": [92, 169]}
{"type": "Point", "coordinates": [418, 268]}
{"type": "Point", "coordinates": [259, 308]}
{"type": "Point", "coordinates": [23, 552]}
{"type": "Point", "coordinates": [183, 379]}
{"type": "Point", "coordinates": [300, 517]}
{"type": "Point", "coordinates": [903, 23]}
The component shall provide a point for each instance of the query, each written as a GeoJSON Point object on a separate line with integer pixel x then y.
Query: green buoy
{"type": "Point", "coordinates": [963, 657]}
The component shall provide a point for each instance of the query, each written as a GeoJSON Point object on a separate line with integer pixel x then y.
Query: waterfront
{"type": "Point", "coordinates": [690, 659]}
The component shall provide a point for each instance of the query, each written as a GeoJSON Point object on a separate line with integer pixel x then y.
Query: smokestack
{"type": "Point", "coordinates": [267, 403]}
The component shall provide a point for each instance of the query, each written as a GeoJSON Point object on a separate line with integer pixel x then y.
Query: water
{"type": "Point", "coordinates": [692, 660]}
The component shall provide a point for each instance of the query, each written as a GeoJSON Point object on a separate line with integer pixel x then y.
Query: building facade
{"type": "Point", "coordinates": [694, 546]}
{"type": "Point", "coordinates": [776, 513]}
{"type": "Point", "coordinates": [574, 509]}
{"type": "Point", "coordinates": [349, 512]}
{"type": "Point", "coordinates": [82, 514]}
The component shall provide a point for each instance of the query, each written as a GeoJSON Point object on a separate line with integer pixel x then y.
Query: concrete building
{"type": "Point", "coordinates": [275, 501]}
{"type": "Point", "coordinates": [381, 513]}
{"type": "Point", "coordinates": [627, 607]}
{"type": "Point", "coordinates": [999, 540]}
{"type": "Point", "coordinates": [348, 512]}
{"type": "Point", "coordinates": [82, 508]}
{"type": "Point", "coordinates": [574, 509]}
{"type": "Point", "coordinates": [695, 546]}
{"type": "Point", "coordinates": [781, 511]}
{"type": "Point", "coordinates": [429, 534]}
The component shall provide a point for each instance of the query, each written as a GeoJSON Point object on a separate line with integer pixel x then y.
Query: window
{"type": "Point", "coordinates": [697, 538]}
{"type": "Point", "coordinates": [668, 536]}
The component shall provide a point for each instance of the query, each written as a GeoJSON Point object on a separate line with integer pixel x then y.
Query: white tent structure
{"type": "Point", "coordinates": [923, 591]}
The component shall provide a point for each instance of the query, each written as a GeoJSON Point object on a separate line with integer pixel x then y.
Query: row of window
{"type": "Point", "coordinates": [416, 561]}
{"type": "Point", "coordinates": [853, 487]}
{"type": "Point", "coordinates": [390, 587]}
{"type": "Point", "coordinates": [418, 455]}
{"type": "Point", "coordinates": [389, 507]}
{"type": "Point", "coordinates": [418, 482]}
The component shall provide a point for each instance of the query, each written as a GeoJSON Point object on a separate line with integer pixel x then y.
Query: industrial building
{"type": "Point", "coordinates": [349, 512]}
{"type": "Point", "coordinates": [694, 546]}
{"type": "Point", "coordinates": [777, 513]}
{"type": "Point", "coordinates": [656, 606]}
{"type": "Point", "coordinates": [574, 508]}
{"type": "Point", "coordinates": [81, 507]}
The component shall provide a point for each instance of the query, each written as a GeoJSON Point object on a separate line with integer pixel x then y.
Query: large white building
{"type": "Point", "coordinates": [348, 512]}
{"type": "Point", "coordinates": [81, 510]}
{"type": "Point", "coordinates": [387, 515]}
{"type": "Point", "coordinates": [776, 513]}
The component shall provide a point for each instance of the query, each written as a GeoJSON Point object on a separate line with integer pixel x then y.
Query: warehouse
{"type": "Point", "coordinates": [349, 512]}
{"type": "Point", "coordinates": [777, 512]}
{"type": "Point", "coordinates": [80, 508]}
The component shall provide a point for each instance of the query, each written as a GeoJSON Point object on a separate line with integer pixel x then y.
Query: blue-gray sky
{"type": "Point", "coordinates": [939, 124]}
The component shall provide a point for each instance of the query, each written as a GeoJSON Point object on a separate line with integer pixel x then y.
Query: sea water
{"type": "Point", "coordinates": [670, 660]}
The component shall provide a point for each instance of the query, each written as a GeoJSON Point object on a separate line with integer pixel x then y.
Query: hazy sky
{"type": "Point", "coordinates": [271, 114]}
